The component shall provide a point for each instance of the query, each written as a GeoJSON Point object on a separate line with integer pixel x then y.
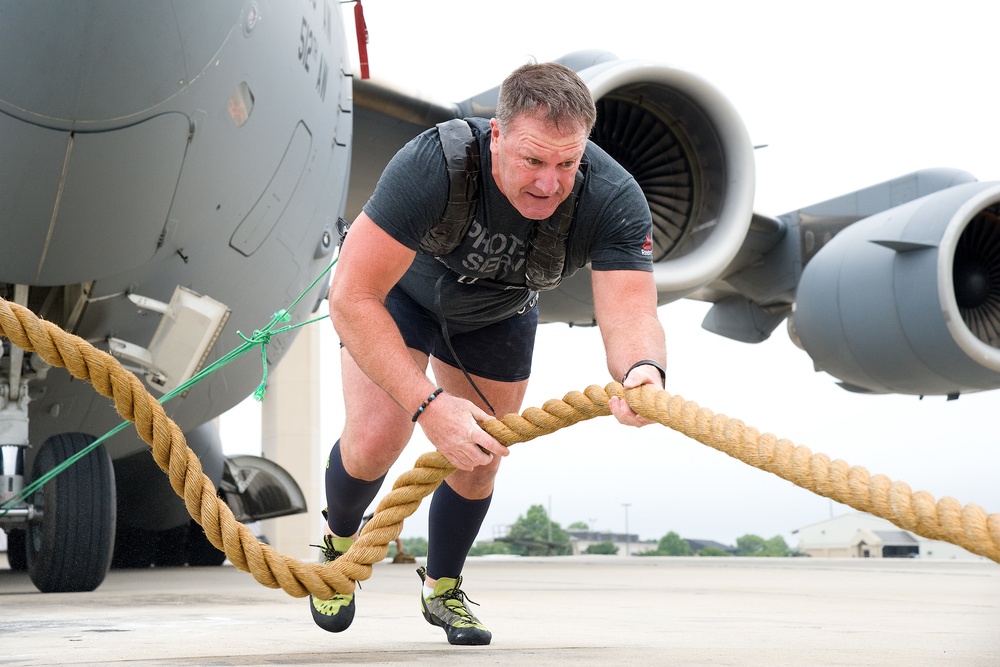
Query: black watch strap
{"type": "Point", "coordinates": [648, 362]}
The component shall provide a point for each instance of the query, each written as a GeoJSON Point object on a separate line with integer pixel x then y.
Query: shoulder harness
{"type": "Point", "coordinates": [546, 248]}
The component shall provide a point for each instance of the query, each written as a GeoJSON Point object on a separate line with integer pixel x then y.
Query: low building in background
{"type": "Point", "coordinates": [863, 535]}
{"type": "Point", "coordinates": [628, 544]}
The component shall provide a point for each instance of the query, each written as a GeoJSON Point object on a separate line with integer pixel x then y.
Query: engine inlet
{"type": "Point", "coordinates": [976, 275]}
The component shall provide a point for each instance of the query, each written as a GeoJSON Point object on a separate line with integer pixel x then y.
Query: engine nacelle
{"type": "Point", "coordinates": [908, 301]}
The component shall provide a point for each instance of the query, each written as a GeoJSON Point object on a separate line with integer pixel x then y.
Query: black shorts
{"type": "Point", "coordinates": [500, 351]}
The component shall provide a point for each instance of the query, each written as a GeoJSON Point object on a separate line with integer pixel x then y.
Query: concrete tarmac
{"type": "Point", "coordinates": [589, 610]}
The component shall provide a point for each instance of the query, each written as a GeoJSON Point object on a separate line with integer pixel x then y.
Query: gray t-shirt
{"type": "Point", "coordinates": [611, 229]}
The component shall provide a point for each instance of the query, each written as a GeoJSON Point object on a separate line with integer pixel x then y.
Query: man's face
{"type": "Point", "coordinates": [535, 163]}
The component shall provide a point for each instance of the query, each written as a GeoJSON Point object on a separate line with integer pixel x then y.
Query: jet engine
{"type": "Point", "coordinates": [908, 300]}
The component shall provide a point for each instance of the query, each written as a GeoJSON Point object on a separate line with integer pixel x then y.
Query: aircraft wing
{"type": "Point", "coordinates": [889, 289]}
{"type": "Point", "coordinates": [385, 117]}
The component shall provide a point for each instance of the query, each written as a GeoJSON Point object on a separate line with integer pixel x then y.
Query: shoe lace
{"type": "Point", "coordinates": [329, 553]}
{"type": "Point", "coordinates": [457, 595]}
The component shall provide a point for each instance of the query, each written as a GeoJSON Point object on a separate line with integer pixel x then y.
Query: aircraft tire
{"type": "Point", "coordinates": [69, 549]}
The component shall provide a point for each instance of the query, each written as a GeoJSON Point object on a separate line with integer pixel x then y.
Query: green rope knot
{"type": "Point", "coordinates": [262, 337]}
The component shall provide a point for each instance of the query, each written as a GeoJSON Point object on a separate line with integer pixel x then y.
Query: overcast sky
{"type": "Point", "coordinates": [844, 97]}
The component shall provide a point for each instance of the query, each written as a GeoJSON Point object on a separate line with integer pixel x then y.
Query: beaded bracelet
{"type": "Point", "coordinates": [423, 406]}
{"type": "Point", "coordinates": [648, 362]}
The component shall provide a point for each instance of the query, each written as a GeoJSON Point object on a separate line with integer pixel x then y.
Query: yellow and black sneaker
{"type": "Point", "coordinates": [446, 609]}
{"type": "Point", "coordinates": [337, 613]}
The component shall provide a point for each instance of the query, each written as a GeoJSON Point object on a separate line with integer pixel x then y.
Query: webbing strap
{"type": "Point", "coordinates": [447, 339]}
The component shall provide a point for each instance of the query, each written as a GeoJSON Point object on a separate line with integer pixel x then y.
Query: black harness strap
{"type": "Point", "coordinates": [443, 321]}
{"type": "Point", "coordinates": [546, 257]}
{"type": "Point", "coordinates": [461, 154]}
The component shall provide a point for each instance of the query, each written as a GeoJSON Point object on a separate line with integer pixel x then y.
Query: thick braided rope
{"type": "Point", "coordinates": [969, 527]}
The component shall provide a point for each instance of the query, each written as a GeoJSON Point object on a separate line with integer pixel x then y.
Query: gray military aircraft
{"type": "Point", "coordinates": [172, 173]}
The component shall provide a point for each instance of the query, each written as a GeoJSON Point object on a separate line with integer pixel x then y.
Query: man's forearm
{"type": "Point", "coordinates": [634, 340]}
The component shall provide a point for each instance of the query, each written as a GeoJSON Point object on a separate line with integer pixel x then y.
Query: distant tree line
{"type": "Point", "coordinates": [673, 544]}
{"type": "Point", "coordinates": [534, 534]}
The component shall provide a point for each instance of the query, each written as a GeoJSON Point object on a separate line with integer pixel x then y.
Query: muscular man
{"type": "Point", "coordinates": [422, 280]}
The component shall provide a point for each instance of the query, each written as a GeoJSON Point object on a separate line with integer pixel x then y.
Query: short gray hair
{"type": "Point", "coordinates": [551, 90]}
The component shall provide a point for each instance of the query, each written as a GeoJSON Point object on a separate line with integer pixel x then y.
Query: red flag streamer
{"type": "Point", "coordinates": [362, 31]}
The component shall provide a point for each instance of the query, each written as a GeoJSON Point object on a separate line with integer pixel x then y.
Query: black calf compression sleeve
{"type": "Point", "coordinates": [347, 498]}
{"type": "Point", "coordinates": [453, 526]}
